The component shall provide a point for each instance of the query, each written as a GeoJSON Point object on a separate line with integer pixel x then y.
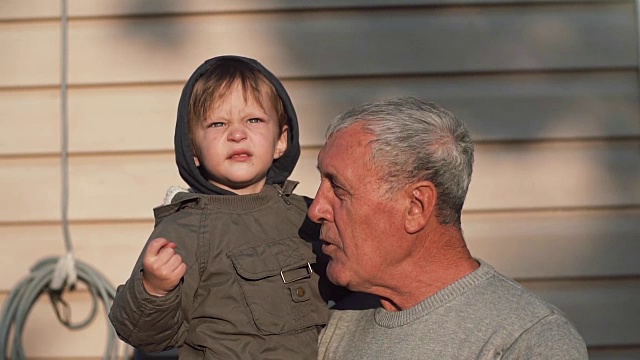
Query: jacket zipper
{"type": "Point", "coordinates": [281, 194]}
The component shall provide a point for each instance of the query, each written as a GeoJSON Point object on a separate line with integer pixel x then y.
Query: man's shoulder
{"type": "Point", "coordinates": [501, 290]}
{"type": "Point", "coordinates": [507, 302]}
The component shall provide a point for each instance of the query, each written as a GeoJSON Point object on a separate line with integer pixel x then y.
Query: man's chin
{"type": "Point", "coordinates": [335, 275]}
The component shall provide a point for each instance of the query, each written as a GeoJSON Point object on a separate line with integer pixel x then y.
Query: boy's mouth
{"type": "Point", "coordinates": [240, 155]}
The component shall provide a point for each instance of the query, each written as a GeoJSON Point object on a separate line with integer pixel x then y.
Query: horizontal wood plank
{"type": "Point", "coordinates": [615, 354]}
{"type": "Point", "coordinates": [555, 175]}
{"type": "Point", "coordinates": [30, 120]}
{"type": "Point", "coordinates": [31, 54]}
{"type": "Point", "coordinates": [28, 9]}
{"type": "Point", "coordinates": [605, 312]}
{"type": "Point", "coordinates": [489, 38]}
{"type": "Point", "coordinates": [124, 7]}
{"type": "Point", "coordinates": [506, 177]}
{"type": "Point", "coordinates": [37, 9]}
{"type": "Point", "coordinates": [495, 107]}
{"type": "Point", "coordinates": [123, 119]}
{"type": "Point", "coordinates": [100, 186]}
{"type": "Point", "coordinates": [567, 244]}
{"type": "Point", "coordinates": [110, 248]}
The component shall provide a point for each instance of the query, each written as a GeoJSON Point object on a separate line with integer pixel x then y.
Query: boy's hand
{"type": "Point", "coordinates": [162, 267]}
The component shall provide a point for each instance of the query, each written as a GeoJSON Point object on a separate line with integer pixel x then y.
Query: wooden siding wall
{"type": "Point", "coordinates": [548, 88]}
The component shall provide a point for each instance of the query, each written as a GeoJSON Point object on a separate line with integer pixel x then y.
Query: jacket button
{"type": "Point", "coordinates": [300, 292]}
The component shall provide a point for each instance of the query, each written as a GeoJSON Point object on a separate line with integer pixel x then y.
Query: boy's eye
{"type": "Point", "coordinates": [254, 121]}
{"type": "Point", "coordinates": [216, 124]}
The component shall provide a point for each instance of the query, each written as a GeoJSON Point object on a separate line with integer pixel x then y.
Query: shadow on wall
{"type": "Point", "coordinates": [168, 34]}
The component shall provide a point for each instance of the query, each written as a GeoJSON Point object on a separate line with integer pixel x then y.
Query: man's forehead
{"type": "Point", "coordinates": [344, 147]}
{"type": "Point", "coordinates": [335, 144]}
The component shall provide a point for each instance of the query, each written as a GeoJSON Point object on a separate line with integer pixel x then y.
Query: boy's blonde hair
{"type": "Point", "coordinates": [214, 85]}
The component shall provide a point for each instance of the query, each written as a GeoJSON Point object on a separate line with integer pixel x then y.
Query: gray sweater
{"type": "Point", "coordinates": [484, 315]}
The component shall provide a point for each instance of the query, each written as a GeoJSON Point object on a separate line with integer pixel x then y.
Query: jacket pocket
{"type": "Point", "coordinates": [279, 286]}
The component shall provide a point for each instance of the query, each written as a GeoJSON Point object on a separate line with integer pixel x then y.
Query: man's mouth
{"type": "Point", "coordinates": [326, 246]}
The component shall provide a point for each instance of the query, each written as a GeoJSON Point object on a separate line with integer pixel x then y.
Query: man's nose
{"type": "Point", "coordinates": [320, 211]}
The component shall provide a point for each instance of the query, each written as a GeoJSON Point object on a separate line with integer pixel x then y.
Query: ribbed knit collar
{"type": "Point", "coordinates": [393, 319]}
{"type": "Point", "coordinates": [237, 203]}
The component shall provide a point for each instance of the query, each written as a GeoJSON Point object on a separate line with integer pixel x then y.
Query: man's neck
{"type": "Point", "coordinates": [439, 261]}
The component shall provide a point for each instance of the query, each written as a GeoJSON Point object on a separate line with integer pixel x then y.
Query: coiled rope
{"type": "Point", "coordinates": [55, 275]}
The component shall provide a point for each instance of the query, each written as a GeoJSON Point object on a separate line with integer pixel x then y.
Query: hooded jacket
{"type": "Point", "coordinates": [252, 289]}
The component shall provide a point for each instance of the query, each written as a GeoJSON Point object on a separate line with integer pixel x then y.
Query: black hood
{"type": "Point", "coordinates": [280, 169]}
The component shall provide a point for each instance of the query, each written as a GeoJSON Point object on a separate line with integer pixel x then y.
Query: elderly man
{"type": "Point", "coordinates": [394, 177]}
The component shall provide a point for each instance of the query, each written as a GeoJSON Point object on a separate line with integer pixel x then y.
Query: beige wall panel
{"type": "Point", "coordinates": [535, 245]}
{"type": "Point", "coordinates": [117, 119]}
{"type": "Point", "coordinates": [605, 312]}
{"type": "Point", "coordinates": [495, 107]}
{"type": "Point", "coordinates": [615, 354]}
{"type": "Point", "coordinates": [30, 121]}
{"type": "Point", "coordinates": [109, 248]}
{"type": "Point", "coordinates": [548, 175]}
{"type": "Point", "coordinates": [33, 189]}
{"type": "Point", "coordinates": [123, 118]}
{"type": "Point", "coordinates": [128, 7]}
{"type": "Point", "coordinates": [492, 39]}
{"type": "Point", "coordinates": [44, 337]}
{"type": "Point", "coordinates": [121, 187]}
{"type": "Point", "coordinates": [36, 9]}
{"type": "Point", "coordinates": [28, 9]}
{"type": "Point", "coordinates": [529, 176]}
{"type": "Point", "coordinates": [31, 53]}
{"type": "Point", "coordinates": [101, 187]}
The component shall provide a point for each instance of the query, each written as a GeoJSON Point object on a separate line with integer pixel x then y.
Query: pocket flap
{"type": "Point", "coordinates": [258, 262]}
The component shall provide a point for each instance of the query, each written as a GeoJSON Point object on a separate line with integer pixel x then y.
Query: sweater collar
{"type": "Point", "coordinates": [391, 319]}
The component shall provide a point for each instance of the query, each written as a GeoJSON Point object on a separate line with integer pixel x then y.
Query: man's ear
{"type": "Point", "coordinates": [422, 197]}
{"type": "Point", "coordinates": [281, 143]}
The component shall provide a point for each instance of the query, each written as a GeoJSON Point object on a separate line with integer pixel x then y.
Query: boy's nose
{"type": "Point", "coordinates": [237, 133]}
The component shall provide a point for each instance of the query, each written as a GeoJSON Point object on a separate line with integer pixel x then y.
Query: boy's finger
{"type": "Point", "coordinates": [174, 262]}
{"type": "Point", "coordinates": [165, 255]}
{"type": "Point", "coordinates": [158, 244]}
{"type": "Point", "coordinates": [181, 270]}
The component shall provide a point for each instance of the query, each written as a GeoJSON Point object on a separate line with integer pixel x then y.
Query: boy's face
{"type": "Point", "coordinates": [238, 141]}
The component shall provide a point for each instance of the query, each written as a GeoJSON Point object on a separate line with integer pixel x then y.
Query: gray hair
{"type": "Point", "coordinates": [415, 140]}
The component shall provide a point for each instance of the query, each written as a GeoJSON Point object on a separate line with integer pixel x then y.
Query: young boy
{"type": "Point", "coordinates": [229, 271]}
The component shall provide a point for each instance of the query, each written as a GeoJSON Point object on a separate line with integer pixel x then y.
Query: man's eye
{"type": "Point", "coordinates": [337, 189]}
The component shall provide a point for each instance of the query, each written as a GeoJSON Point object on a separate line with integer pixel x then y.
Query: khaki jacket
{"type": "Point", "coordinates": [251, 291]}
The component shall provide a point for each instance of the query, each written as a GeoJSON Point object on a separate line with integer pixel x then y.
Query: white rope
{"type": "Point", "coordinates": [53, 276]}
{"type": "Point", "coordinates": [638, 40]}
